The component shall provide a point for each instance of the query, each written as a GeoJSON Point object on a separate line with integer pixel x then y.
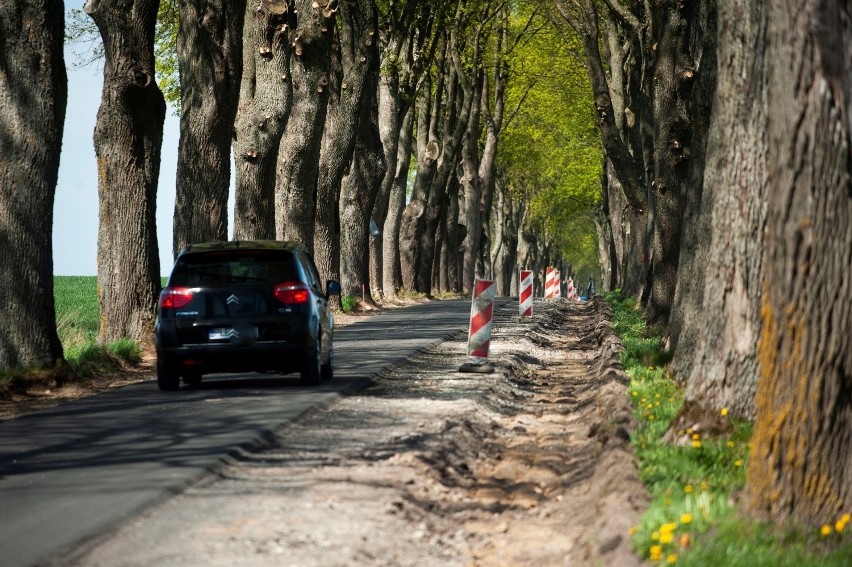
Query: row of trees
{"type": "Point", "coordinates": [726, 202]}
{"type": "Point", "coordinates": [727, 209]}
{"type": "Point", "coordinates": [339, 115]}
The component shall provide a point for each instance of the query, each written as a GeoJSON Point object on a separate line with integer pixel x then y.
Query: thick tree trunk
{"type": "Point", "coordinates": [33, 97]}
{"type": "Point", "coordinates": [361, 185]}
{"type": "Point", "coordinates": [472, 183]}
{"type": "Point", "coordinates": [413, 221]}
{"type": "Point", "coordinates": [210, 58]}
{"type": "Point", "coordinates": [681, 113]}
{"type": "Point", "coordinates": [128, 139]}
{"type": "Point", "coordinates": [299, 151]}
{"type": "Point", "coordinates": [800, 465]}
{"type": "Point", "coordinates": [392, 270]}
{"type": "Point", "coordinates": [357, 39]}
{"type": "Point", "coordinates": [265, 98]}
{"type": "Point", "coordinates": [716, 320]}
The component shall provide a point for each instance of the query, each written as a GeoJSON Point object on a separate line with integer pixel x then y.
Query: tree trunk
{"type": "Point", "coordinates": [392, 270]}
{"type": "Point", "coordinates": [266, 93]}
{"type": "Point", "coordinates": [716, 321]}
{"type": "Point", "coordinates": [361, 185]}
{"type": "Point", "coordinates": [357, 39]}
{"type": "Point", "coordinates": [800, 464]}
{"type": "Point", "coordinates": [299, 151]}
{"type": "Point", "coordinates": [128, 139]}
{"type": "Point", "coordinates": [209, 51]}
{"type": "Point", "coordinates": [34, 86]}
{"type": "Point", "coordinates": [472, 183]}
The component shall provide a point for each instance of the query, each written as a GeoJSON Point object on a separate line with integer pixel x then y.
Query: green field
{"type": "Point", "coordinates": [77, 315]}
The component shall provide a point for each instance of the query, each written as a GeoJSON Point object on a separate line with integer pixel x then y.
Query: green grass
{"type": "Point", "coordinates": [77, 323]}
{"type": "Point", "coordinates": [693, 518]}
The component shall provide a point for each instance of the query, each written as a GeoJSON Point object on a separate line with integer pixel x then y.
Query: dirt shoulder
{"type": "Point", "coordinates": [529, 465]}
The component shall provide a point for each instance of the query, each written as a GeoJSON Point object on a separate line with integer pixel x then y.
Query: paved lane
{"type": "Point", "coordinates": [68, 474]}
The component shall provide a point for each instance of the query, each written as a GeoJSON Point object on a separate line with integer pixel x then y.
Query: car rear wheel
{"type": "Point", "coordinates": [327, 370]}
{"type": "Point", "coordinates": [312, 370]}
{"type": "Point", "coordinates": [168, 377]}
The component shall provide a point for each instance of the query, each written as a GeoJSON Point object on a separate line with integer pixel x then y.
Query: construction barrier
{"type": "Point", "coordinates": [525, 296]}
{"type": "Point", "coordinates": [481, 308]}
{"type": "Point", "coordinates": [557, 293]}
{"type": "Point", "coordinates": [571, 293]}
{"type": "Point", "coordinates": [551, 283]}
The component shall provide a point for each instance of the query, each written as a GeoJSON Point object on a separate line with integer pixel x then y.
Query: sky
{"type": "Point", "coordinates": [75, 215]}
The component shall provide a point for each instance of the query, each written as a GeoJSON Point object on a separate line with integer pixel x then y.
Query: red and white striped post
{"type": "Point", "coordinates": [551, 283]}
{"type": "Point", "coordinates": [481, 309]}
{"type": "Point", "coordinates": [570, 292]}
{"type": "Point", "coordinates": [557, 292]}
{"type": "Point", "coordinates": [525, 297]}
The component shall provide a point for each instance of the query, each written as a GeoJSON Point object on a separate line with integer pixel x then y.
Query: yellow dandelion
{"type": "Point", "coordinates": [685, 518]}
{"type": "Point", "coordinates": [839, 526]}
{"type": "Point", "coordinates": [634, 530]}
{"type": "Point", "coordinates": [846, 518]}
{"type": "Point", "coordinates": [696, 444]}
{"type": "Point", "coordinates": [689, 431]}
{"type": "Point", "coordinates": [655, 536]}
{"type": "Point", "coordinates": [688, 488]}
{"type": "Point", "coordinates": [731, 444]}
{"type": "Point", "coordinates": [668, 528]}
{"type": "Point", "coordinates": [635, 393]}
{"type": "Point", "coordinates": [649, 406]}
{"type": "Point", "coordinates": [657, 396]}
{"type": "Point", "coordinates": [705, 485]}
{"type": "Point", "coordinates": [651, 417]}
{"type": "Point", "coordinates": [826, 530]}
{"type": "Point", "coordinates": [657, 404]}
{"type": "Point", "coordinates": [666, 538]}
{"type": "Point", "coordinates": [644, 399]}
{"type": "Point", "coordinates": [738, 463]}
{"type": "Point", "coordinates": [696, 437]}
{"type": "Point", "coordinates": [656, 552]}
{"type": "Point", "coordinates": [671, 559]}
{"type": "Point", "coordinates": [724, 411]}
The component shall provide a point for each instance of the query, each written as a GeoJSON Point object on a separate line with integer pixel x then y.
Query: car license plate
{"type": "Point", "coordinates": [220, 333]}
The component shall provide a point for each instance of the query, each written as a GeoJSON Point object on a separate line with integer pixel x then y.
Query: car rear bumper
{"type": "Point", "coordinates": [279, 356]}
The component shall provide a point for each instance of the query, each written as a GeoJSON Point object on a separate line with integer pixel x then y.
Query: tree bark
{"type": "Point", "coordinates": [800, 466]}
{"type": "Point", "coordinates": [716, 320]}
{"type": "Point", "coordinates": [266, 91]}
{"type": "Point", "coordinates": [299, 150]}
{"type": "Point", "coordinates": [33, 97]}
{"type": "Point", "coordinates": [348, 95]}
{"type": "Point", "coordinates": [128, 139]}
{"type": "Point", "coordinates": [392, 270]}
{"type": "Point", "coordinates": [210, 55]}
{"type": "Point", "coordinates": [360, 188]}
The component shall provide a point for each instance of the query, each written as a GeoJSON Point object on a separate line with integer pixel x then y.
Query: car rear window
{"type": "Point", "coordinates": [234, 266]}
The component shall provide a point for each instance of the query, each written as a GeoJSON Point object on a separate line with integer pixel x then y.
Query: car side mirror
{"type": "Point", "coordinates": [332, 287]}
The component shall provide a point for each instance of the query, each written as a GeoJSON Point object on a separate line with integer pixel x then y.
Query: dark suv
{"type": "Point", "coordinates": [244, 306]}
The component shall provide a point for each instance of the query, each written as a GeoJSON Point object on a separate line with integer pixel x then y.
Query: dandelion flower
{"type": "Point", "coordinates": [839, 526]}
{"type": "Point", "coordinates": [696, 444]}
{"type": "Point", "coordinates": [651, 417]}
{"type": "Point", "coordinates": [634, 530]}
{"type": "Point", "coordinates": [689, 431]}
{"type": "Point", "coordinates": [668, 528]}
{"type": "Point", "coordinates": [846, 518]}
{"type": "Point", "coordinates": [655, 536]}
{"type": "Point", "coordinates": [826, 530]}
{"type": "Point", "coordinates": [724, 411]}
{"type": "Point", "coordinates": [685, 518]}
{"type": "Point", "coordinates": [738, 463]}
{"type": "Point", "coordinates": [649, 406]}
{"type": "Point", "coordinates": [635, 393]}
{"type": "Point", "coordinates": [696, 437]}
{"type": "Point", "coordinates": [731, 444]}
{"type": "Point", "coordinates": [705, 485]}
{"type": "Point", "coordinates": [671, 559]}
{"type": "Point", "coordinates": [666, 537]}
{"type": "Point", "coordinates": [688, 488]}
{"type": "Point", "coordinates": [656, 552]}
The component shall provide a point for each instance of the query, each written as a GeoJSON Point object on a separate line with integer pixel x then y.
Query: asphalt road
{"type": "Point", "coordinates": [67, 475]}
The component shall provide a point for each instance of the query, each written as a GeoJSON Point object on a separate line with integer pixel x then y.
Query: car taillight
{"type": "Point", "coordinates": [175, 297]}
{"type": "Point", "coordinates": [291, 292]}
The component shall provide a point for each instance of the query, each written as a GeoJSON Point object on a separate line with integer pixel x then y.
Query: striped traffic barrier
{"type": "Point", "coordinates": [525, 297]}
{"type": "Point", "coordinates": [569, 292]}
{"type": "Point", "coordinates": [481, 309]}
{"type": "Point", "coordinates": [557, 293]}
{"type": "Point", "coordinates": [551, 283]}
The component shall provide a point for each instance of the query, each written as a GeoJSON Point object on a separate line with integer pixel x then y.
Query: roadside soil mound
{"type": "Point", "coordinates": [529, 465]}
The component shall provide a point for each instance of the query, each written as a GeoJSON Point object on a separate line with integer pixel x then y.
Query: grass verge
{"type": "Point", "coordinates": [694, 516]}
